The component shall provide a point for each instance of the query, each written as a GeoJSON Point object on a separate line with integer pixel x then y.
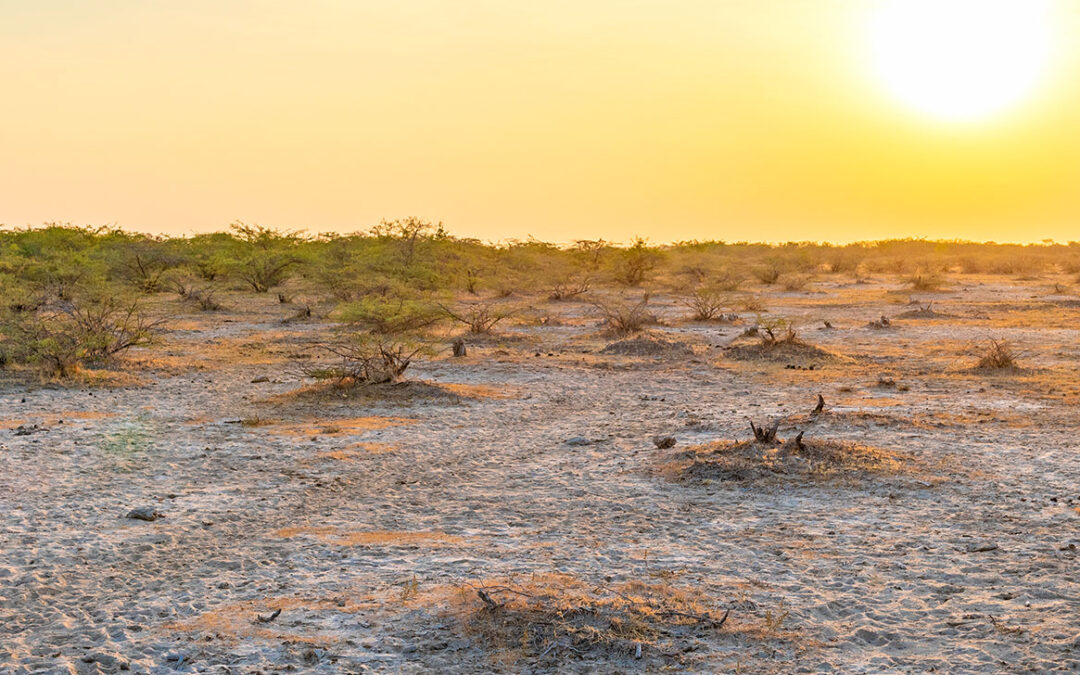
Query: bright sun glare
{"type": "Point", "coordinates": [961, 60]}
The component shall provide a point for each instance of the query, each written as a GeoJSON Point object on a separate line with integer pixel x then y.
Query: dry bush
{"type": "Point", "coordinates": [925, 282]}
{"type": "Point", "coordinates": [201, 297]}
{"type": "Point", "coordinates": [548, 616]}
{"type": "Point", "coordinates": [749, 303]}
{"type": "Point", "coordinates": [997, 355]}
{"type": "Point", "coordinates": [565, 290]}
{"type": "Point", "coordinates": [768, 456]}
{"type": "Point", "coordinates": [621, 317]}
{"type": "Point", "coordinates": [707, 304]}
{"type": "Point", "coordinates": [636, 262]}
{"type": "Point", "coordinates": [366, 359]}
{"type": "Point", "coordinates": [480, 317]}
{"type": "Point", "coordinates": [768, 274]}
{"type": "Point", "coordinates": [795, 282]}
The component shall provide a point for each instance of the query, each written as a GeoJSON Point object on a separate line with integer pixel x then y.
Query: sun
{"type": "Point", "coordinates": [960, 60]}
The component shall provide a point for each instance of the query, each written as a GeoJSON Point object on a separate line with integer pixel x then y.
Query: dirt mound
{"type": "Point", "coordinates": [648, 345]}
{"type": "Point", "coordinates": [781, 351]}
{"type": "Point", "coordinates": [755, 460]}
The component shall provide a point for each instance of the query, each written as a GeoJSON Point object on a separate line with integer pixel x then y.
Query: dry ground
{"type": "Point", "coordinates": [371, 521]}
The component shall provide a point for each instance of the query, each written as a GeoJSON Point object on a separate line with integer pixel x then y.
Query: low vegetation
{"type": "Point", "coordinates": [553, 616]}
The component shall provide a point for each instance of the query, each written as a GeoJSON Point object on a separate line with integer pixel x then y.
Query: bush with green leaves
{"type": "Point", "coordinates": [61, 335]}
{"type": "Point", "coordinates": [265, 257]}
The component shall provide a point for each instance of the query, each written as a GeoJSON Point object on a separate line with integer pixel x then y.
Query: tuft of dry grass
{"type": "Point", "coordinates": [997, 355]}
{"type": "Point", "coordinates": [551, 615]}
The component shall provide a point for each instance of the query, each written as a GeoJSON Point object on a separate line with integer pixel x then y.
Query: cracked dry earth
{"type": "Point", "coordinates": [361, 520]}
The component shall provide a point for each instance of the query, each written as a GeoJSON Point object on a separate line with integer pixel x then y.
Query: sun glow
{"type": "Point", "coordinates": [961, 60]}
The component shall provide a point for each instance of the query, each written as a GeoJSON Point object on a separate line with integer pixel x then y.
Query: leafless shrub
{"type": "Point", "coordinates": [621, 317]}
{"type": "Point", "coordinates": [366, 359]}
{"type": "Point", "coordinates": [572, 288]}
{"type": "Point", "coordinates": [707, 304]}
{"type": "Point", "coordinates": [795, 282]}
{"type": "Point", "coordinates": [480, 317]}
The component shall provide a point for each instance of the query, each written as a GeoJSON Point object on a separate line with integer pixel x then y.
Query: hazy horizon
{"type": "Point", "coordinates": [672, 121]}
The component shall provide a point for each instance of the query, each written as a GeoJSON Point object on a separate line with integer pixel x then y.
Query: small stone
{"type": "Point", "coordinates": [981, 547]}
{"type": "Point", "coordinates": [261, 378]}
{"type": "Point", "coordinates": [578, 441]}
{"type": "Point", "coordinates": [664, 442]}
{"type": "Point", "coordinates": [147, 513]}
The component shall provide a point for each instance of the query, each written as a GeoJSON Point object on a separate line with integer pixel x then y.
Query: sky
{"type": "Point", "coordinates": [760, 120]}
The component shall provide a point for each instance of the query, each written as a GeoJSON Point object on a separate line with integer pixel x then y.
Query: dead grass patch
{"type": "Point", "coordinates": [239, 621]}
{"type": "Point", "coordinates": [752, 460]}
{"type": "Point", "coordinates": [354, 451]}
{"type": "Point", "coordinates": [549, 617]}
{"type": "Point", "coordinates": [338, 537]}
{"type": "Point", "coordinates": [333, 427]}
{"type": "Point", "coordinates": [400, 393]}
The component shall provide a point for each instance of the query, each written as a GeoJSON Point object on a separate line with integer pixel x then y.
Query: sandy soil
{"type": "Point", "coordinates": [361, 519]}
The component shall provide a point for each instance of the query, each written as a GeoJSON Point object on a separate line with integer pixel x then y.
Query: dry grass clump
{"type": "Point", "coordinates": [554, 615]}
{"type": "Point", "coordinates": [768, 456]}
{"type": "Point", "coordinates": [997, 355]}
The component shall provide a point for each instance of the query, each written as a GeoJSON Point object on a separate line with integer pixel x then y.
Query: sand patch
{"type": "Point", "coordinates": [354, 452]}
{"type": "Point", "coordinates": [339, 537]}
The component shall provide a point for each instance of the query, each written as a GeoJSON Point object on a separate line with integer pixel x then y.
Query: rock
{"type": "Point", "coordinates": [147, 513]}
{"type": "Point", "coordinates": [981, 547]}
{"type": "Point", "coordinates": [107, 660]}
{"type": "Point", "coordinates": [664, 442]}
{"type": "Point", "coordinates": [578, 441]}
{"type": "Point", "coordinates": [261, 378]}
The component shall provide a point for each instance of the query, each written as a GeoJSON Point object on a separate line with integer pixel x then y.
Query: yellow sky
{"type": "Point", "coordinates": [562, 119]}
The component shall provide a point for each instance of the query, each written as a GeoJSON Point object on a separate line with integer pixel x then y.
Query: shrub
{"type": "Point", "coordinates": [997, 355]}
{"type": "Point", "coordinates": [706, 304]}
{"type": "Point", "coordinates": [387, 315]}
{"type": "Point", "coordinates": [62, 335]}
{"type": "Point", "coordinates": [267, 255]}
{"type": "Point", "coordinates": [622, 317]}
{"type": "Point", "coordinates": [366, 358]}
{"type": "Point", "coordinates": [767, 275]}
{"type": "Point", "coordinates": [480, 317]}
{"type": "Point", "coordinates": [635, 263]}
{"type": "Point", "coordinates": [564, 290]}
